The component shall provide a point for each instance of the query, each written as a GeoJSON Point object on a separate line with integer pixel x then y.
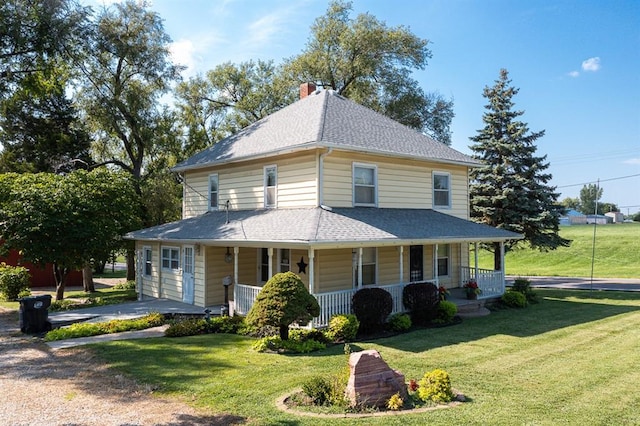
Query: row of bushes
{"type": "Point", "coordinates": [86, 329]}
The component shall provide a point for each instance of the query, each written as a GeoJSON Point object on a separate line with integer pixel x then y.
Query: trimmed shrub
{"type": "Point", "coordinates": [318, 389]}
{"type": "Point", "coordinates": [127, 285]}
{"type": "Point", "coordinates": [343, 328]}
{"type": "Point", "coordinates": [303, 334]}
{"type": "Point", "coordinates": [14, 281]}
{"type": "Point", "coordinates": [435, 386]}
{"type": "Point", "coordinates": [399, 322]}
{"type": "Point", "coordinates": [195, 326]}
{"type": "Point", "coordinates": [421, 300]}
{"type": "Point", "coordinates": [283, 300]}
{"type": "Point", "coordinates": [514, 299]}
{"type": "Point", "coordinates": [523, 285]}
{"type": "Point", "coordinates": [276, 344]}
{"type": "Point", "coordinates": [445, 312]}
{"type": "Point", "coordinates": [372, 306]}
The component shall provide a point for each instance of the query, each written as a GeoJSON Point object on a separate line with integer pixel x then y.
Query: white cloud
{"type": "Point", "coordinates": [573, 74]}
{"type": "Point", "coordinates": [591, 64]}
{"type": "Point", "coordinates": [632, 161]}
{"type": "Point", "coordinates": [182, 52]}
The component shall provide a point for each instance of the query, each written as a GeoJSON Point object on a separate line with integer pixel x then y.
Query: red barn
{"type": "Point", "coordinates": [41, 277]}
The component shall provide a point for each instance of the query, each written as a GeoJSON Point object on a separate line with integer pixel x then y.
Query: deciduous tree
{"type": "Point", "coordinates": [66, 220]}
{"type": "Point", "coordinates": [510, 190]}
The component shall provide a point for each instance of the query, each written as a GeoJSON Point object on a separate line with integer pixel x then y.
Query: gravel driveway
{"type": "Point", "coordinates": [39, 386]}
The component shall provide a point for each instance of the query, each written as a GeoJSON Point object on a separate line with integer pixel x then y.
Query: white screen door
{"type": "Point", "coordinates": [188, 282]}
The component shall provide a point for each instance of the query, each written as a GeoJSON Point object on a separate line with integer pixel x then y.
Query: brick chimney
{"type": "Point", "coordinates": [306, 89]}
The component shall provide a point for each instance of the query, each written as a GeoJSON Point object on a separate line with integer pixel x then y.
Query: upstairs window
{"type": "Point", "coordinates": [441, 190]}
{"type": "Point", "coordinates": [270, 185]}
{"type": "Point", "coordinates": [364, 185]}
{"type": "Point", "coordinates": [213, 192]}
{"type": "Point", "coordinates": [171, 258]}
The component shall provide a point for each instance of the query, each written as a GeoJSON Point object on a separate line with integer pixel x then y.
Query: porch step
{"type": "Point", "coordinates": [469, 308]}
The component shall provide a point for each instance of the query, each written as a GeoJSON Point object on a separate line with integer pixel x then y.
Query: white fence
{"type": "Point", "coordinates": [490, 282]}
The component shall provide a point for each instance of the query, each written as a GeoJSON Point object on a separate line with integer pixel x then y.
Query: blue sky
{"type": "Point", "coordinates": [576, 62]}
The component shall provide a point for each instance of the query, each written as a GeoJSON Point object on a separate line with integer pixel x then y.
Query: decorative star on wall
{"type": "Point", "coordinates": [302, 267]}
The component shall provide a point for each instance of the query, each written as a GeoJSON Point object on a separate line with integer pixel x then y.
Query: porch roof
{"type": "Point", "coordinates": [322, 227]}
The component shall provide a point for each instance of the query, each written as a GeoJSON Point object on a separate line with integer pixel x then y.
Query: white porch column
{"type": "Point", "coordinates": [401, 264]}
{"type": "Point", "coordinates": [435, 265]}
{"type": "Point", "coordinates": [502, 263]}
{"type": "Point", "coordinates": [236, 251]}
{"type": "Point", "coordinates": [311, 271]}
{"type": "Point", "coordinates": [360, 267]}
{"type": "Point", "coordinates": [475, 252]}
{"type": "Point", "coordinates": [270, 252]}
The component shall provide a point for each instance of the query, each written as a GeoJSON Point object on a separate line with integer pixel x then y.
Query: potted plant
{"type": "Point", "coordinates": [472, 289]}
{"type": "Point", "coordinates": [443, 293]}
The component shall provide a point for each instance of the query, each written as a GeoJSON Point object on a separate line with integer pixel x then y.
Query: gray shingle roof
{"type": "Point", "coordinates": [320, 227]}
{"type": "Point", "coordinates": [325, 119]}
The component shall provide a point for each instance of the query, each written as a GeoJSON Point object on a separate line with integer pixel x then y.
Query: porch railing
{"type": "Point", "coordinates": [331, 303]}
{"type": "Point", "coordinates": [490, 282]}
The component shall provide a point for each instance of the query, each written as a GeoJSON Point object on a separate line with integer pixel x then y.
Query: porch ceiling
{"type": "Point", "coordinates": [322, 228]}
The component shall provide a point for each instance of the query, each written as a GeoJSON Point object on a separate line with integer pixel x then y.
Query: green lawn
{"type": "Point", "coordinates": [617, 254]}
{"type": "Point", "coordinates": [572, 359]}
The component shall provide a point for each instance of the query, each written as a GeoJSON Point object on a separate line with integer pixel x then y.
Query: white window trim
{"type": "Point", "coordinates": [280, 264]}
{"type": "Point", "coordinates": [264, 182]}
{"type": "Point", "coordinates": [374, 167]}
{"type": "Point", "coordinates": [217, 192]}
{"type": "Point", "coordinates": [433, 189]}
{"type": "Point", "coordinates": [146, 249]}
{"type": "Point", "coordinates": [170, 257]}
{"type": "Point", "coordinates": [355, 256]}
{"type": "Point", "coordinates": [448, 257]}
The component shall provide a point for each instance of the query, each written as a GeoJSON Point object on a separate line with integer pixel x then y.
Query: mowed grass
{"type": "Point", "coordinates": [617, 254]}
{"type": "Point", "coordinates": [571, 359]}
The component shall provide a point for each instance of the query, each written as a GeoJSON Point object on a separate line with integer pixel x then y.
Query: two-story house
{"type": "Point", "coordinates": [333, 191]}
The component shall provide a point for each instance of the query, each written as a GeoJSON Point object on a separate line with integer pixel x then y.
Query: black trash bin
{"type": "Point", "coordinates": [34, 314]}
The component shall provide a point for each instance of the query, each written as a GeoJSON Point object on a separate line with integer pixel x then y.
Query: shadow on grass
{"type": "Point", "coordinates": [557, 309]}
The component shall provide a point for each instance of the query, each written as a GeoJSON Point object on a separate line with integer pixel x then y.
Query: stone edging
{"type": "Point", "coordinates": [280, 404]}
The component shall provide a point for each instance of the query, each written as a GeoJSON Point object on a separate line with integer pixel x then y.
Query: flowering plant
{"type": "Point", "coordinates": [471, 287]}
{"type": "Point", "coordinates": [443, 293]}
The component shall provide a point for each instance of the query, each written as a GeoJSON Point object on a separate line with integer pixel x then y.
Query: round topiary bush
{"type": "Point", "coordinates": [399, 322]}
{"type": "Point", "coordinates": [343, 328]}
{"type": "Point", "coordinates": [514, 299]}
{"type": "Point", "coordinates": [421, 300]}
{"type": "Point", "coordinates": [283, 300]}
{"type": "Point", "coordinates": [446, 311]}
{"type": "Point", "coordinates": [436, 386]}
{"type": "Point", "coordinates": [372, 306]}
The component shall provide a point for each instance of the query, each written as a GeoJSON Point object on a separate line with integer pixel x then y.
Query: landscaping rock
{"type": "Point", "coordinates": [371, 381]}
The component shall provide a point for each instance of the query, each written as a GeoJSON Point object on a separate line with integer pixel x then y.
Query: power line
{"type": "Point", "coordinates": [601, 180]}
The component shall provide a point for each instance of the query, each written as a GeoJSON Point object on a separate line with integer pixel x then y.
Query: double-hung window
{"type": "Point", "coordinates": [171, 258]}
{"type": "Point", "coordinates": [441, 190]}
{"type": "Point", "coordinates": [285, 260]}
{"type": "Point", "coordinates": [443, 260]}
{"type": "Point", "coordinates": [270, 186]}
{"type": "Point", "coordinates": [213, 192]}
{"type": "Point", "coordinates": [148, 261]}
{"type": "Point", "coordinates": [369, 257]}
{"type": "Point", "coordinates": [364, 185]}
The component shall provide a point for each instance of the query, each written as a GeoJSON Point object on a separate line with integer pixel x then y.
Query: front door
{"type": "Point", "coordinates": [188, 281]}
{"type": "Point", "coordinates": [416, 267]}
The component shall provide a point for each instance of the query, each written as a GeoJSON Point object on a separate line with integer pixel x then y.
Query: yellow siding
{"type": "Point", "coordinates": [199, 276]}
{"type": "Point", "coordinates": [388, 265]}
{"type": "Point", "coordinates": [217, 269]}
{"type": "Point", "coordinates": [334, 270]}
{"type": "Point", "coordinates": [297, 182]}
{"type": "Point", "coordinates": [401, 183]}
{"type": "Point", "coordinates": [196, 193]}
{"type": "Point", "coordinates": [151, 285]}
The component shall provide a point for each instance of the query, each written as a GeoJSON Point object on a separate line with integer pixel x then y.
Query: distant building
{"type": "Point", "coordinates": [598, 219]}
{"type": "Point", "coordinates": [573, 217]}
{"type": "Point", "coordinates": [616, 217]}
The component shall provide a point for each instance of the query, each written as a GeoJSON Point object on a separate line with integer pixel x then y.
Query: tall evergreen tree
{"type": "Point", "coordinates": [511, 191]}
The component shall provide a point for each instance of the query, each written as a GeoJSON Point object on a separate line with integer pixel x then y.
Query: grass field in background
{"type": "Point", "coordinates": [617, 254]}
{"type": "Point", "coordinates": [571, 359]}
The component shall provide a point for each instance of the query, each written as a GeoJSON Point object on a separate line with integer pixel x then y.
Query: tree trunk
{"type": "Point", "coordinates": [87, 279]}
{"type": "Point", "coordinates": [131, 264]}
{"type": "Point", "coordinates": [284, 332]}
{"type": "Point", "coordinates": [497, 259]}
{"type": "Point", "coordinates": [60, 275]}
